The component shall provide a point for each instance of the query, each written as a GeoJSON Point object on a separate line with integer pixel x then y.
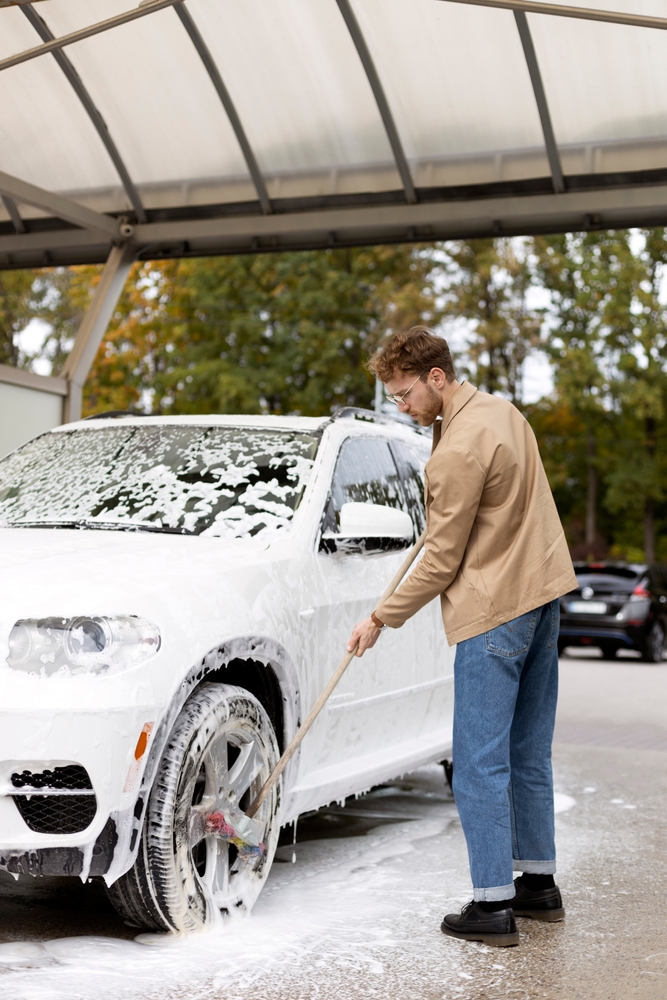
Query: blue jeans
{"type": "Point", "coordinates": [505, 692]}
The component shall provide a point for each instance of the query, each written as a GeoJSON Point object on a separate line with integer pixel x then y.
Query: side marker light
{"type": "Point", "coordinates": [139, 751]}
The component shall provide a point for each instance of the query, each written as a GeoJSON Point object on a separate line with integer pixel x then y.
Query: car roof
{"type": "Point", "coordinates": [199, 419]}
{"type": "Point", "coordinates": [348, 417]}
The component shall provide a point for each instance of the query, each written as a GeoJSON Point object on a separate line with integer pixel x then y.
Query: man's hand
{"type": "Point", "coordinates": [366, 634]}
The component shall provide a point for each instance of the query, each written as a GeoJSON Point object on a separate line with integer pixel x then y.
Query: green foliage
{"type": "Point", "coordinates": [487, 284]}
{"type": "Point", "coordinates": [290, 332]}
{"type": "Point", "coordinates": [63, 295]}
{"type": "Point", "coordinates": [283, 333]}
{"type": "Point", "coordinates": [608, 346]}
{"type": "Point", "coordinates": [17, 308]}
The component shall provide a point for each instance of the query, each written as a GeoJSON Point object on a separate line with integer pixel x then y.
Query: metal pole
{"type": "Point", "coordinates": [378, 396]}
{"type": "Point", "coordinates": [558, 10]}
{"type": "Point", "coordinates": [380, 99]}
{"type": "Point", "coordinates": [541, 100]}
{"type": "Point", "coordinates": [94, 326]}
{"type": "Point", "coordinates": [227, 103]}
{"type": "Point", "coordinates": [13, 213]}
{"type": "Point", "coordinates": [87, 32]}
{"type": "Point", "coordinates": [45, 33]}
{"type": "Point", "coordinates": [63, 208]}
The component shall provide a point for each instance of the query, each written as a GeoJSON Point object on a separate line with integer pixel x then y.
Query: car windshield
{"type": "Point", "coordinates": [230, 482]}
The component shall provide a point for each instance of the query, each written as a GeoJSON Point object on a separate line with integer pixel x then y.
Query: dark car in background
{"type": "Point", "coordinates": [616, 606]}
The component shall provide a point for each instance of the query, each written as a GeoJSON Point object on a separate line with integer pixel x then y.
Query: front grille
{"type": "Point", "coordinates": [45, 812]}
{"type": "Point", "coordinates": [70, 776]}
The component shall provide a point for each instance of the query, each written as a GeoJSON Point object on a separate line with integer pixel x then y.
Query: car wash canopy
{"type": "Point", "coordinates": [220, 126]}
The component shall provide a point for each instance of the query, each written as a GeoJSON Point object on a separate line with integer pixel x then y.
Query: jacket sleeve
{"type": "Point", "coordinates": [455, 483]}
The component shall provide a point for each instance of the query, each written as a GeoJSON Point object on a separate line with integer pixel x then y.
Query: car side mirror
{"type": "Point", "coordinates": [369, 527]}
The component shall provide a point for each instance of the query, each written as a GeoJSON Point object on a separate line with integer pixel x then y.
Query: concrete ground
{"type": "Point", "coordinates": [358, 914]}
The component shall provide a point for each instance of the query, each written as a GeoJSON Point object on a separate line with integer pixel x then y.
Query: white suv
{"type": "Point", "coordinates": [174, 594]}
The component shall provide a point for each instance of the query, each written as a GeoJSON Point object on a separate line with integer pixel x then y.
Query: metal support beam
{"type": "Point", "coordinates": [62, 208]}
{"type": "Point", "coordinates": [96, 118]}
{"type": "Point", "coordinates": [228, 104]}
{"type": "Point", "coordinates": [93, 29]}
{"type": "Point", "coordinates": [580, 13]}
{"type": "Point", "coordinates": [94, 326]}
{"type": "Point", "coordinates": [29, 380]}
{"type": "Point", "coordinates": [519, 212]}
{"type": "Point", "coordinates": [380, 98]}
{"type": "Point", "coordinates": [541, 100]}
{"type": "Point", "coordinates": [13, 213]}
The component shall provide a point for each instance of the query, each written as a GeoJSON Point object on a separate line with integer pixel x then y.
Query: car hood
{"type": "Point", "coordinates": [164, 577]}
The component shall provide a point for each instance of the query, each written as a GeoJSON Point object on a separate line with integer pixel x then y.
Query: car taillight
{"type": "Point", "coordinates": [638, 608]}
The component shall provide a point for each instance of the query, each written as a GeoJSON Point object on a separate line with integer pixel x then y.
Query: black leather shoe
{"type": "Point", "coordinates": [544, 905]}
{"type": "Point", "coordinates": [474, 924]}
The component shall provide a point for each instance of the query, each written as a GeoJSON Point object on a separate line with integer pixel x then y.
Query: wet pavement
{"type": "Point", "coordinates": [358, 914]}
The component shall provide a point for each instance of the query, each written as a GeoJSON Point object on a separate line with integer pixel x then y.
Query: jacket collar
{"type": "Point", "coordinates": [456, 403]}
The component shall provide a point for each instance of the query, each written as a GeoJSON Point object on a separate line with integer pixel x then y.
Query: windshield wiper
{"type": "Point", "coordinates": [102, 525]}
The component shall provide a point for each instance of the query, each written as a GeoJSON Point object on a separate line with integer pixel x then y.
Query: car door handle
{"type": "Point", "coordinates": [306, 612]}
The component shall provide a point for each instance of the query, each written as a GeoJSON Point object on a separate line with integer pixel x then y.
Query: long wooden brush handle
{"type": "Point", "coordinates": [333, 681]}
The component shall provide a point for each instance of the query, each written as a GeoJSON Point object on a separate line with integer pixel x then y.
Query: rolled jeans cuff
{"type": "Point", "coordinates": [495, 893]}
{"type": "Point", "coordinates": [535, 867]}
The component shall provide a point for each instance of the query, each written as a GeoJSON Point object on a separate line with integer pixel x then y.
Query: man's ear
{"type": "Point", "coordinates": [437, 378]}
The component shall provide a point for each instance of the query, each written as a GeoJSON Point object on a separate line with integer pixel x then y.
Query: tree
{"type": "Point", "coordinates": [281, 333]}
{"type": "Point", "coordinates": [585, 273]}
{"type": "Point", "coordinates": [63, 295]}
{"type": "Point", "coordinates": [637, 342]}
{"type": "Point", "coordinates": [17, 308]}
{"type": "Point", "coordinates": [487, 283]}
{"type": "Point", "coordinates": [608, 345]}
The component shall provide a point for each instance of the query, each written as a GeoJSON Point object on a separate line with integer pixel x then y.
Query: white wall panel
{"type": "Point", "coordinates": [25, 413]}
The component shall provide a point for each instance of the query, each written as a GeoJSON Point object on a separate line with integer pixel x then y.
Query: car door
{"type": "Point", "coordinates": [374, 711]}
{"type": "Point", "coordinates": [431, 698]}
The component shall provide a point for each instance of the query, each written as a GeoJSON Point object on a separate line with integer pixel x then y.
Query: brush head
{"type": "Point", "coordinates": [238, 829]}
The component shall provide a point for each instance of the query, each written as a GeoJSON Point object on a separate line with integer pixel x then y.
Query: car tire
{"type": "Point", "coordinates": [654, 645]}
{"type": "Point", "coordinates": [222, 739]}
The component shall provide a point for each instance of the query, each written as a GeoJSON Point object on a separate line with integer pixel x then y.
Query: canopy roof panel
{"type": "Point", "coordinates": [153, 93]}
{"type": "Point", "coordinates": [455, 77]}
{"type": "Point", "coordinates": [297, 83]}
{"type": "Point", "coordinates": [221, 126]}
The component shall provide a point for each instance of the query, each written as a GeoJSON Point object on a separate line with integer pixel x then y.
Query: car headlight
{"type": "Point", "coordinates": [93, 645]}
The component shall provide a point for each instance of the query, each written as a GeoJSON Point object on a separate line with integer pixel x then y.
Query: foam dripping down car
{"type": "Point", "coordinates": [174, 593]}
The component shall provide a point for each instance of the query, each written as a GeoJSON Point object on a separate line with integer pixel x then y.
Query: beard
{"type": "Point", "coordinates": [432, 408]}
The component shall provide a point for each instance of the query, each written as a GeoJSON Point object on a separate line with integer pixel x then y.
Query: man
{"type": "Point", "coordinates": [496, 556]}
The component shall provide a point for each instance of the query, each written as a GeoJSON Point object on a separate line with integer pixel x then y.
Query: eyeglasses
{"type": "Point", "coordinates": [401, 399]}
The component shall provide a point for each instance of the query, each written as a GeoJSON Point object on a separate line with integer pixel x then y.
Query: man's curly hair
{"type": "Point", "coordinates": [411, 352]}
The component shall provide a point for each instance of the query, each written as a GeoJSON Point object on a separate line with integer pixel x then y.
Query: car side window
{"type": "Point", "coordinates": [365, 473]}
{"type": "Point", "coordinates": [412, 475]}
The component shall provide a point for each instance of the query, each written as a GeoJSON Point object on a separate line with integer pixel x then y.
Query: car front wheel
{"type": "Point", "coordinates": [188, 869]}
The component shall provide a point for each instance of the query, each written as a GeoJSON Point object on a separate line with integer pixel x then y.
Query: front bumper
{"type": "Point", "coordinates": [578, 633]}
{"type": "Point", "coordinates": [104, 741]}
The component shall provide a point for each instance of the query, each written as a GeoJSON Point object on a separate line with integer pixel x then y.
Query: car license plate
{"type": "Point", "coordinates": [588, 607]}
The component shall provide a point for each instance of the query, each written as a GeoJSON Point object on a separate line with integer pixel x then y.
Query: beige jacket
{"type": "Point", "coordinates": [495, 548]}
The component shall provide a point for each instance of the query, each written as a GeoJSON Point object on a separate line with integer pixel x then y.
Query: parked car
{"type": "Point", "coordinates": [616, 606]}
{"type": "Point", "coordinates": [174, 594]}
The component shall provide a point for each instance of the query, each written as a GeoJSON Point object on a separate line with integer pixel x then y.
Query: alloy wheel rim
{"type": "Point", "coordinates": [231, 770]}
